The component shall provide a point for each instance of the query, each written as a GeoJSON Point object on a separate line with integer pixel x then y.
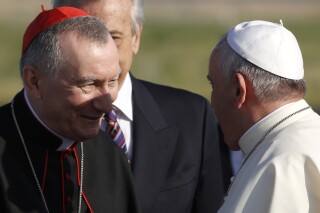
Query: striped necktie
{"type": "Point", "coordinates": [114, 131]}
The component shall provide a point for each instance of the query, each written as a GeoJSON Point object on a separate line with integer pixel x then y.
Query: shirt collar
{"type": "Point", "coordinates": [124, 99]}
{"type": "Point", "coordinates": [66, 143]}
{"type": "Point", "coordinates": [252, 136]}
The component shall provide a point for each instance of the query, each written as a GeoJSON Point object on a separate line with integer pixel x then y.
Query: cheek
{"type": "Point", "coordinates": [218, 106]}
{"type": "Point", "coordinates": [114, 93]}
{"type": "Point", "coordinates": [125, 54]}
{"type": "Point", "coordinates": [214, 100]}
{"type": "Point", "coordinates": [75, 102]}
{"type": "Point", "coordinates": [55, 99]}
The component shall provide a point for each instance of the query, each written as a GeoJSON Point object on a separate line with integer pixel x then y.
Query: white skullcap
{"type": "Point", "coordinates": [268, 45]}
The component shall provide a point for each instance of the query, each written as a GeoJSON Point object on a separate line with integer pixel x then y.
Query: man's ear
{"type": "Point", "coordinates": [241, 89]}
{"type": "Point", "coordinates": [30, 77]}
{"type": "Point", "coordinates": [136, 40]}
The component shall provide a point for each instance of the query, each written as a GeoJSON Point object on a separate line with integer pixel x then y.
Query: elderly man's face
{"type": "Point", "coordinates": [74, 101]}
{"type": "Point", "coordinates": [222, 102]}
{"type": "Point", "coordinates": [117, 16]}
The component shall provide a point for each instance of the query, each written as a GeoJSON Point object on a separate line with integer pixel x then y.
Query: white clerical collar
{"type": "Point", "coordinates": [253, 135]}
{"type": "Point", "coordinates": [66, 143]}
{"type": "Point", "coordinates": [124, 99]}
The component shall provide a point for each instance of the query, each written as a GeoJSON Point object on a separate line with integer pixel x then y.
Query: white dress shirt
{"type": "Point", "coordinates": [236, 158]}
{"type": "Point", "coordinates": [282, 173]}
{"type": "Point", "coordinates": [123, 108]}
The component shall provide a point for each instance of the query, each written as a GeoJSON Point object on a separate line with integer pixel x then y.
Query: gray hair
{"type": "Point", "coordinates": [137, 12]}
{"type": "Point", "coordinates": [267, 86]}
{"type": "Point", "coordinates": [44, 53]}
{"type": "Point", "coordinates": [137, 15]}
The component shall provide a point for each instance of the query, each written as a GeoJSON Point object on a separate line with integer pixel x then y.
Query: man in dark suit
{"type": "Point", "coordinates": [53, 156]}
{"type": "Point", "coordinates": [171, 134]}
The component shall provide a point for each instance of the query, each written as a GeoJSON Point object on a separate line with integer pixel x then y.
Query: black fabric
{"type": "Point", "coordinates": [225, 162]}
{"type": "Point", "coordinates": [107, 185]}
{"type": "Point", "coordinates": [176, 161]}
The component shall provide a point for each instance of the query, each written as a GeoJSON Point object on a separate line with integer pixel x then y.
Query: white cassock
{"type": "Point", "coordinates": [282, 173]}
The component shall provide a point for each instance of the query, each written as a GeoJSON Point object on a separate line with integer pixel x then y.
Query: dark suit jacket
{"type": "Point", "coordinates": [176, 163]}
{"type": "Point", "coordinates": [226, 166]}
{"type": "Point", "coordinates": [107, 178]}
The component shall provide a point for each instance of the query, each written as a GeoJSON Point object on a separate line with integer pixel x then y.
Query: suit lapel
{"type": "Point", "coordinates": [154, 143]}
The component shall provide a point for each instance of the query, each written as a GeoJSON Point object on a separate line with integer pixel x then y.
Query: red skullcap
{"type": "Point", "coordinates": [47, 19]}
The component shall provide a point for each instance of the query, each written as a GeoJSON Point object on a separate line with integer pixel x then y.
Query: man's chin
{"type": "Point", "coordinates": [88, 133]}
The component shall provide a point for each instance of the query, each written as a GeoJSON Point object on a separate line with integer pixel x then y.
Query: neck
{"type": "Point", "coordinates": [262, 109]}
{"type": "Point", "coordinates": [253, 112]}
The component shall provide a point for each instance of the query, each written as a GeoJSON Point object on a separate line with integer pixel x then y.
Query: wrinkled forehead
{"type": "Point", "coordinates": [102, 8]}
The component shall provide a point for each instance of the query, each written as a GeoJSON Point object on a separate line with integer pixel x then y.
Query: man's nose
{"type": "Point", "coordinates": [103, 102]}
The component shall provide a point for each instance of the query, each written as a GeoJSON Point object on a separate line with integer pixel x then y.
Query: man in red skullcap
{"type": "Point", "coordinates": [53, 155]}
{"type": "Point", "coordinates": [171, 134]}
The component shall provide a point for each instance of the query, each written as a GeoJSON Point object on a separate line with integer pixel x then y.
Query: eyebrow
{"type": "Point", "coordinates": [86, 79]}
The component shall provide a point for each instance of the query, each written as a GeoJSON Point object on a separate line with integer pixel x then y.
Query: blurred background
{"type": "Point", "coordinates": [177, 39]}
